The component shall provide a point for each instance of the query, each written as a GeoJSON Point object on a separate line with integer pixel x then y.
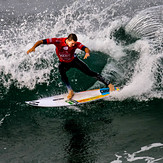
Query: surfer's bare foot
{"type": "Point", "coordinates": [70, 94]}
{"type": "Point", "coordinates": [111, 87]}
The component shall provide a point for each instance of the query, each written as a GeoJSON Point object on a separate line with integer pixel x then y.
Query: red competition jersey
{"type": "Point", "coordinates": [63, 51]}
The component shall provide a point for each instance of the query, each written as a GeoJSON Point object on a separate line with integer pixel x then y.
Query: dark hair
{"type": "Point", "coordinates": [72, 36]}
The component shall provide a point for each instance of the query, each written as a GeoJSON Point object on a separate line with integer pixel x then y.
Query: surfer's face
{"type": "Point", "coordinates": [70, 43]}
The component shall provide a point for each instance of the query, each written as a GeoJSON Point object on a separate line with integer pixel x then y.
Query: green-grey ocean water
{"type": "Point", "coordinates": [125, 128]}
{"type": "Point", "coordinates": [94, 134]}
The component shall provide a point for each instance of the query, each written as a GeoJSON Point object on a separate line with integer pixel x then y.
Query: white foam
{"type": "Point", "coordinates": [2, 120]}
{"type": "Point", "coordinates": [133, 157]}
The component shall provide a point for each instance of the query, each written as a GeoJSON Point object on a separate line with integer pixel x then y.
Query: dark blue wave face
{"type": "Point", "coordinates": [127, 124]}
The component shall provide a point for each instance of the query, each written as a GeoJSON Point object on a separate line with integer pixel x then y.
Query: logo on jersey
{"type": "Point", "coordinates": [80, 45]}
{"type": "Point", "coordinates": [65, 48]}
{"type": "Point", "coordinates": [50, 40]}
{"type": "Point", "coordinates": [57, 40]}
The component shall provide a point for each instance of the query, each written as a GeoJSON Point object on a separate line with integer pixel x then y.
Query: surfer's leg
{"type": "Point", "coordinates": [63, 68]}
{"type": "Point", "coordinates": [85, 69]}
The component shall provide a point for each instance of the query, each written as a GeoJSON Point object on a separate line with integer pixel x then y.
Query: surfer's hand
{"type": "Point", "coordinates": [86, 55]}
{"type": "Point", "coordinates": [31, 50]}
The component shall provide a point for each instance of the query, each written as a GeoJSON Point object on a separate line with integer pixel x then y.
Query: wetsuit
{"type": "Point", "coordinates": [68, 59]}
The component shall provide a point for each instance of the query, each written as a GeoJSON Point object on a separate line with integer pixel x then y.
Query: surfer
{"type": "Point", "coordinates": [65, 50]}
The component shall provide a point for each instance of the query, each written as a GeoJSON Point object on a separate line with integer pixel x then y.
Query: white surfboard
{"type": "Point", "coordinates": [78, 98]}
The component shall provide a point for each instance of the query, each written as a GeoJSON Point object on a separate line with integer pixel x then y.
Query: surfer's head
{"type": "Point", "coordinates": [71, 40]}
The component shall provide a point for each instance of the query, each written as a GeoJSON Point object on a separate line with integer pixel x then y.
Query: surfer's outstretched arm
{"type": "Point", "coordinates": [34, 46]}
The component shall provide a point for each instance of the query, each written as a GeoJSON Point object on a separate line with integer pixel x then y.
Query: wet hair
{"type": "Point", "coordinates": [72, 36]}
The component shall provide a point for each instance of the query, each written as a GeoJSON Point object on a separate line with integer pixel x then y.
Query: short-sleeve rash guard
{"type": "Point", "coordinates": [63, 51]}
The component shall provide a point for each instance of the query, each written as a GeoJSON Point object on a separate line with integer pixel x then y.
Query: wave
{"type": "Point", "coordinates": [136, 67]}
{"type": "Point", "coordinates": [147, 75]}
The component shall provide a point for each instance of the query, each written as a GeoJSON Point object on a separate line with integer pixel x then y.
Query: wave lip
{"type": "Point", "coordinates": [147, 23]}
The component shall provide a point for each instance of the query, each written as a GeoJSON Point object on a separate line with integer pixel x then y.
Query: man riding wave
{"type": "Point", "coordinates": [65, 50]}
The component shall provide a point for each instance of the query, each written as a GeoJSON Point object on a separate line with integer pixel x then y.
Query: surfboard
{"type": "Point", "coordinates": [78, 98]}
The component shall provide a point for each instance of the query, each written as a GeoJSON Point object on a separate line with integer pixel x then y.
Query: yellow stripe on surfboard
{"type": "Point", "coordinates": [91, 98]}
